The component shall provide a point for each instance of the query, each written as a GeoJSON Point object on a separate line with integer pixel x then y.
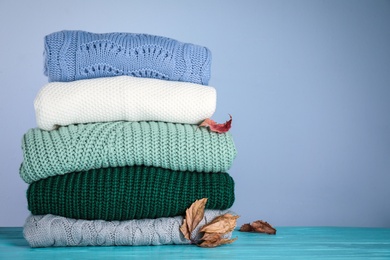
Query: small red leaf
{"type": "Point", "coordinates": [218, 128]}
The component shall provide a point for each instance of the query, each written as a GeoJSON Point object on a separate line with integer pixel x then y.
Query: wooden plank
{"type": "Point", "coordinates": [288, 243]}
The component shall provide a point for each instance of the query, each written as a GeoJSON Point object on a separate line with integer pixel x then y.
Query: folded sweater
{"type": "Point", "coordinates": [124, 193]}
{"type": "Point", "coordinates": [90, 146]}
{"type": "Point", "coordinates": [74, 55]}
{"type": "Point", "coordinates": [50, 230]}
{"type": "Point", "coordinates": [123, 98]}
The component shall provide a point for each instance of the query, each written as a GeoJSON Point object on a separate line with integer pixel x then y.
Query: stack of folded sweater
{"type": "Point", "coordinates": [118, 157]}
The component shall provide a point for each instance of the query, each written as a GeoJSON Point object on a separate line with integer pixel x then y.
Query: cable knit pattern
{"type": "Point", "coordinates": [83, 147]}
{"type": "Point", "coordinates": [125, 193]}
{"type": "Point", "coordinates": [74, 55]}
{"type": "Point", "coordinates": [123, 98]}
{"type": "Point", "coordinates": [50, 230]}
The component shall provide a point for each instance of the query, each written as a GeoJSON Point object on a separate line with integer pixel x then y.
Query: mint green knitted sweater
{"type": "Point", "coordinates": [83, 147]}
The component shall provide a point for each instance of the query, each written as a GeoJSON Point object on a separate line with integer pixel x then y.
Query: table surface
{"type": "Point", "coordinates": [288, 243]}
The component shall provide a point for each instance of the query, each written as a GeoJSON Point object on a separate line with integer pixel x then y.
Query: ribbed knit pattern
{"type": "Point", "coordinates": [90, 146]}
{"type": "Point", "coordinates": [74, 55]}
{"type": "Point", "coordinates": [50, 230]}
{"type": "Point", "coordinates": [125, 193]}
{"type": "Point", "coordinates": [123, 98]}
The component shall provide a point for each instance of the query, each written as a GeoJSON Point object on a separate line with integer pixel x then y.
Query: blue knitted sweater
{"type": "Point", "coordinates": [74, 55]}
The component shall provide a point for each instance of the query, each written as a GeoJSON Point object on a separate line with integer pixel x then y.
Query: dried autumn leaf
{"type": "Point", "coordinates": [263, 227]}
{"type": "Point", "coordinates": [212, 237]}
{"type": "Point", "coordinates": [222, 241]}
{"type": "Point", "coordinates": [258, 226]}
{"type": "Point", "coordinates": [184, 230]}
{"type": "Point", "coordinates": [221, 224]}
{"type": "Point", "coordinates": [214, 233]}
{"type": "Point", "coordinates": [194, 214]}
{"type": "Point", "coordinates": [218, 128]}
{"type": "Point", "coordinates": [246, 228]}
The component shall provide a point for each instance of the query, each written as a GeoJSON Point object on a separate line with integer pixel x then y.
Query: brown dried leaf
{"type": "Point", "coordinates": [246, 228]}
{"type": "Point", "coordinates": [184, 230]}
{"type": "Point", "coordinates": [263, 227]}
{"type": "Point", "coordinates": [258, 226]}
{"type": "Point", "coordinates": [213, 232]}
{"type": "Point", "coordinates": [194, 214]}
{"type": "Point", "coordinates": [221, 224]}
{"type": "Point", "coordinates": [212, 237]}
{"type": "Point", "coordinates": [215, 127]}
{"type": "Point", "coordinates": [222, 241]}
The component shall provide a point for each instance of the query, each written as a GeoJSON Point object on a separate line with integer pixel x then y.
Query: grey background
{"type": "Point", "coordinates": [307, 83]}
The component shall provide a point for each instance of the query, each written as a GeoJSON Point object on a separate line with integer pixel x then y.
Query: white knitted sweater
{"type": "Point", "coordinates": [123, 98]}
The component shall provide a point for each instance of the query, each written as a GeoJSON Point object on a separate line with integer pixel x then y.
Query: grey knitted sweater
{"type": "Point", "coordinates": [50, 230]}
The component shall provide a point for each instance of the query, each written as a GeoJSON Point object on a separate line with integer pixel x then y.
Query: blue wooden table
{"type": "Point", "coordinates": [288, 243]}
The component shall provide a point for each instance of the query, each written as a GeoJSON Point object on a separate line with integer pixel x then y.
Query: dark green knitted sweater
{"type": "Point", "coordinates": [125, 193]}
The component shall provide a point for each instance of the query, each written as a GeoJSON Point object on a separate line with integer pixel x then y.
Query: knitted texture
{"type": "Point", "coordinates": [123, 98]}
{"type": "Point", "coordinates": [50, 230]}
{"type": "Point", "coordinates": [124, 193]}
{"type": "Point", "coordinates": [90, 146]}
{"type": "Point", "coordinates": [74, 55]}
